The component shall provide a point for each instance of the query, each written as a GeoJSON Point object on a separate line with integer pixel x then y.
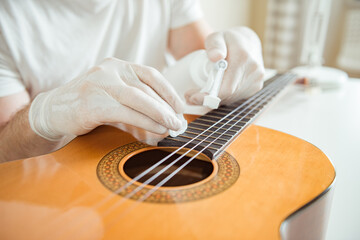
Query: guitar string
{"type": "Point", "coordinates": [177, 170]}
{"type": "Point", "coordinates": [193, 157]}
{"type": "Point", "coordinates": [115, 193]}
{"type": "Point", "coordinates": [145, 196]}
{"type": "Point", "coordinates": [267, 88]}
{"type": "Point", "coordinates": [184, 154]}
{"type": "Point", "coordinates": [148, 194]}
{"type": "Point", "coordinates": [200, 151]}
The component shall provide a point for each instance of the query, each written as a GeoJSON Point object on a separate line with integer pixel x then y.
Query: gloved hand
{"type": "Point", "coordinates": [113, 92]}
{"type": "Point", "coordinates": [241, 48]}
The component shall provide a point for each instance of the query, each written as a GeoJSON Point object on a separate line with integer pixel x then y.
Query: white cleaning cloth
{"type": "Point", "coordinates": [183, 127]}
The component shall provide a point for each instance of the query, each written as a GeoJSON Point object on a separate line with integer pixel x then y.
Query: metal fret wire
{"type": "Point", "coordinates": [115, 193]}
{"type": "Point", "coordinates": [263, 92]}
{"type": "Point", "coordinates": [176, 160]}
{"type": "Point", "coordinates": [157, 186]}
{"type": "Point", "coordinates": [235, 129]}
{"type": "Point", "coordinates": [172, 174]}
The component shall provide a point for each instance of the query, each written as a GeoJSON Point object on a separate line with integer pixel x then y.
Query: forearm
{"type": "Point", "coordinates": [189, 38]}
{"type": "Point", "coordinates": [18, 140]}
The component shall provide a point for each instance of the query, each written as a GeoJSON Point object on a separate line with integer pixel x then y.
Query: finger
{"type": "Point", "coordinates": [237, 59]}
{"type": "Point", "coordinates": [124, 114]}
{"type": "Point", "coordinates": [155, 80]}
{"type": "Point", "coordinates": [131, 79]}
{"type": "Point", "coordinates": [149, 91]}
{"type": "Point", "coordinates": [250, 68]}
{"type": "Point", "coordinates": [257, 80]}
{"type": "Point", "coordinates": [215, 46]}
{"type": "Point", "coordinates": [195, 98]}
{"type": "Point", "coordinates": [231, 81]}
{"type": "Point", "coordinates": [139, 101]}
{"type": "Point", "coordinates": [251, 85]}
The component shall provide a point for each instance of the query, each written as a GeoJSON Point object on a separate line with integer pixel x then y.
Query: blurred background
{"type": "Point", "coordinates": [280, 25]}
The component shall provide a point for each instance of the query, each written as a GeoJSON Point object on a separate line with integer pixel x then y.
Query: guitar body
{"type": "Point", "coordinates": [264, 177]}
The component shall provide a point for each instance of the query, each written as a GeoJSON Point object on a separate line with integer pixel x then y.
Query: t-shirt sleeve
{"type": "Point", "coordinates": [184, 12]}
{"type": "Point", "coordinates": [10, 80]}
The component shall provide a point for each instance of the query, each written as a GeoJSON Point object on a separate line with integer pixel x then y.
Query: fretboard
{"type": "Point", "coordinates": [214, 131]}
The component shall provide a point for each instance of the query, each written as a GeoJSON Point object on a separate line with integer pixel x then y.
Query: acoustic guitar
{"type": "Point", "coordinates": [221, 179]}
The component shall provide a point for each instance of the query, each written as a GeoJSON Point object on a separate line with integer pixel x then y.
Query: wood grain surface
{"type": "Point", "coordinates": [59, 196]}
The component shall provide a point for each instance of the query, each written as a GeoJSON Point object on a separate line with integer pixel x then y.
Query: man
{"type": "Point", "coordinates": [49, 92]}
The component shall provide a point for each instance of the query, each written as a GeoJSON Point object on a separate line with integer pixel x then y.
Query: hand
{"type": "Point", "coordinates": [244, 76]}
{"type": "Point", "coordinates": [113, 92]}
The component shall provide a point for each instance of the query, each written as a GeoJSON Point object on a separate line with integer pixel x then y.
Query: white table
{"type": "Point", "coordinates": [331, 121]}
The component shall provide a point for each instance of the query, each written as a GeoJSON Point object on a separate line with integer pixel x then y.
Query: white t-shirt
{"type": "Point", "coordinates": [45, 43]}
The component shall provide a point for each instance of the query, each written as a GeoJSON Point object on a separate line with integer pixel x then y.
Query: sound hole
{"type": "Point", "coordinates": [198, 169]}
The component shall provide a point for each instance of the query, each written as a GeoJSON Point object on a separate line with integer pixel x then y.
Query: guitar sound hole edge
{"type": "Point", "coordinates": [199, 170]}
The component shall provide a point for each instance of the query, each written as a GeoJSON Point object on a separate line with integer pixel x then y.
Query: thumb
{"type": "Point", "coordinates": [215, 46]}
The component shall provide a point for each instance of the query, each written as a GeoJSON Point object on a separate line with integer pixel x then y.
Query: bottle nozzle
{"type": "Point", "coordinates": [212, 100]}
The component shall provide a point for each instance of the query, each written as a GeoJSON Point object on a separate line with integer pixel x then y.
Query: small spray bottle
{"type": "Point", "coordinates": [197, 71]}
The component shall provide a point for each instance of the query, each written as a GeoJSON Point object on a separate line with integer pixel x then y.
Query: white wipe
{"type": "Point", "coordinates": [183, 126]}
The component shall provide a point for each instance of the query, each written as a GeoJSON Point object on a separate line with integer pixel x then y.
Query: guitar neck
{"type": "Point", "coordinates": [214, 131]}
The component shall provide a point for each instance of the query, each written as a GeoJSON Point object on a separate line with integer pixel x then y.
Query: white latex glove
{"type": "Point", "coordinates": [113, 92]}
{"type": "Point", "coordinates": [244, 75]}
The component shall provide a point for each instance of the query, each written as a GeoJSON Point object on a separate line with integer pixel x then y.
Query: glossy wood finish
{"type": "Point", "coordinates": [58, 196]}
{"type": "Point", "coordinates": [226, 122]}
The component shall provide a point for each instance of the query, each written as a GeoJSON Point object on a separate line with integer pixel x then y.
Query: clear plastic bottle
{"type": "Point", "coordinates": [196, 71]}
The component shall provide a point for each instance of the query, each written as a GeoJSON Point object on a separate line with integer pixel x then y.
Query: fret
{"type": "Point", "coordinates": [206, 126]}
{"type": "Point", "coordinates": [217, 126]}
{"type": "Point", "coordinates": [220, 126]}
{"type": "Point", "coordinates": [200, 140]}
{"type": "Point", "coordinates": [240, 118]}
{"type": "Point", "coordinates": [177, 142]}
{"type": "Point", "coordinates": [211, 146]}
{"type": "Point", "coordinates": [241, 113]}
{"type": "Point", "coordinates": [242, 103]}
{"type": "Point", "coordinates": [223, 110]}
{"type": "Point", "coordinates": [198, 131]}
{"type": "Point", "coordinates": [213, 113]}
{"type": "Point", "coordinates": [252, 107]}
{"type": "Point", "coordinates": [209, 117]}
{"type": "Point", "coordinates": [233, 105]}
{"type": "Point", "coordinates": [222, 123]}
{"type": "Point", "coordinates": [227, 107]}
{"type": "Point", "coordinates": [201, 137]}
{"type": "Point", "coordinates": [242, 121]}
{"type": "Point", "coordinates": [219, 130]}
